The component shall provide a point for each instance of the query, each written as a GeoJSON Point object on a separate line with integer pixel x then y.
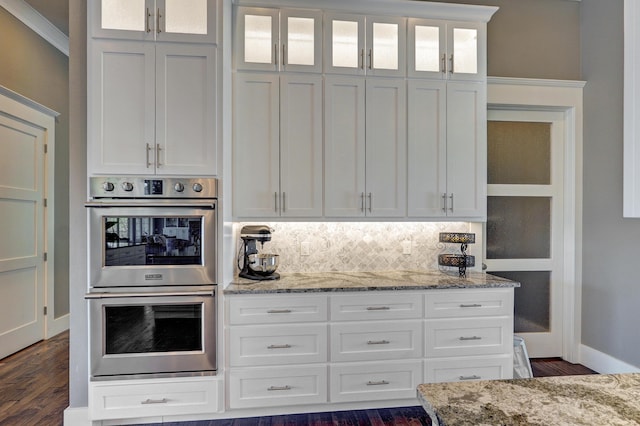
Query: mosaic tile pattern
{"type": "Point", "coordinates": [357, 246]}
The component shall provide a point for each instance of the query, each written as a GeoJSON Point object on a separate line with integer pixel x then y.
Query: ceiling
{"type": "Point", "coordinates": [56, 11]}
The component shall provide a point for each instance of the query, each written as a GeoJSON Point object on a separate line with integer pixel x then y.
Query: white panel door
{"type": "Point", "coordinates": [22, 270]}
{"type": "Point", "coordinates": [427, 148]}
{"type": "Point", "coordinates": [121, 107]}
{"type": "Point", "coordinates": [301, 145]}
{"type": "Point", "coordinates": [466, 150]}
{"type": "Point", "coordinates": [185, 109]}
{"type": "Point", "coordinates": [386, 147]}
{"type": "Point", "coordinates": [256, 133]}
{"type": "Point", "coordinates": [344, 146]}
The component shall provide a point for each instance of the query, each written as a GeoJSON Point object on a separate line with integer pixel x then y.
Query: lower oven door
{"type": "Point", "coordinates": [153, 332]}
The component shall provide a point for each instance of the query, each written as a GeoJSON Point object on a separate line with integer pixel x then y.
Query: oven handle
{"type": "Point", "coordinates": [98, 204]}
{"type": "Point", "coordinates": [90, 296]}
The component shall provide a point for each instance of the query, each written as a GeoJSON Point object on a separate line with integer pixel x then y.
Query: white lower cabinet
{"type": "Point", "coordinates": [363, 346]}
{"type": "Point", "coordinates": [155, 397]}
{"type": "Point", "coordinates": [274, 386]}
{"type": "Point", "coordinates": [373, 381]}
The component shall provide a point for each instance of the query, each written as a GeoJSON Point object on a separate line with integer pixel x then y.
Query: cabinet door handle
{"type": "Point", "coordinates": [158, 30]}
{"type": "Point", "coordinates": [472, 305]}
{"type": "Point", "coordinates": [451, 198]}
{"type": "Point", "coordinates": [275, 202]}
{"type": "Point", "coordinates": [378, 342]}
{"type": "Point", "coordinates": [378, 308]}
{"type": "Point", "coordinates": [158, 149]}
{"type": "Point", "coordinates": [154, 401]}
{"type": "Point", "coordinates": [371, 58]}
{"type": "Point", "coordinates": [463, 338]}
{"type": "Point", "coordinates": [362, 202]}
{"type": "Point", "coordinates": [279, 388]}
{"type": "Point", "coordinates": [370, 202]}
{"type": "Point", "coordinates": [377, 383]}
{"type": "Point", "coordinates": [444, 63]}
{"type": "Point", "coordinates": [275, 54]}
{"type": "Point", "coordinates": [285, 346]}
{"type": "Point", "coordinates": [362, 59]}
{"type": "Point", "coordinates": [284, 54]}
{"type": "Point", "coordinates": [444, 202]}
{"type": "Point", "coordinates": [148, 149]}
{"type": "Point", "coordinates": [474, 377]}
{"type": "Point", "coordinates": [284, 202]}
{"type": "Point", "coordinates": [279, 311]}
{"type": "Point", "coordinates": [147, 21]}
{"type": "Point", "coordinates": [451, 71]}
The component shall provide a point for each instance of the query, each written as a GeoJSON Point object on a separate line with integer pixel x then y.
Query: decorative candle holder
{"type": "Point", "coordinates": [462, 260]}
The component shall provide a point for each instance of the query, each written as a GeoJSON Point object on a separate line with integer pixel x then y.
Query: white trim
{"type": "Point", "coordinates": [409, 8]}
{"type": "Point", "coordinates": [38, 23]}
{"type": "Point", "coordinates": [603, 363]}
{"type": "Point", "coordinates": [76, 416]}
{"type": "Point", "coordinates": [26, 101]}
{"type": "Point", "coordinates": [631, 173]}
{"type": "Point", "coordinates": [559, 96]}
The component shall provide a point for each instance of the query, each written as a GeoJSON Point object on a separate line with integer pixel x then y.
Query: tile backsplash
{"type": "Point", "coordinates": [357, 246]}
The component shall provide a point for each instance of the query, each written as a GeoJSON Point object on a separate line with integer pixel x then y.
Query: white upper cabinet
{"type": "Point", "coordinates": [191, 21]}
{"type": "Point", "coordinates": [278, 39]}
{"type": "Point", "coordinates": [447, 50]}
{"type": "Point", "coordinates": [364, 45]}
{"type": "Point", "coordinates": [152, 108]}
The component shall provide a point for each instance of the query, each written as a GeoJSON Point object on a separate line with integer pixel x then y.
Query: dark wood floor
{"type": "Point", "coordinates": [34, 390]}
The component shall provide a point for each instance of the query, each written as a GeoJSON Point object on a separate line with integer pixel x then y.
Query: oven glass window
{"type": "Point", "coordinates": [153, 241]}
{"type": "Point", "coordinates": [134, 329]}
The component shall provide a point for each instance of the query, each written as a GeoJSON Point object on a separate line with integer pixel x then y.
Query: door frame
{"type": "Point", "coordinates": [564, 96]}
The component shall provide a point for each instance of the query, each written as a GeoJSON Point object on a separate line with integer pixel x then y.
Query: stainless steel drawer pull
{"type": "Point", "coordinates": [279, 346]}
{"type": "Point", "coordinates": [279, 388]}
{"type": "Point", "coordinates": [471, 338]}
{"type": "Point", "coordinates": [279, 311]}
{"type": "Point", "coordinates": [378, 383]}
{"type": "Point", "coordinates": [473, 305]}
{"type": "Point", "coordinates": [378, 342]}
{"type": "Point", "coordinates": [378, 308]}
{"type": "Point", "coordinates": [154, 401]}
{"type": "Point", "coordinates": [474, 377]}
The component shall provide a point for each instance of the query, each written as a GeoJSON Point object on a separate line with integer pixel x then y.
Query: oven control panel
{"type": "Point", "coordinates": [153, 187]}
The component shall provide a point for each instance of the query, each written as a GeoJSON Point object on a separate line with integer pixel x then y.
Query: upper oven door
{"type": "Point", "coordinates": [152, 243]}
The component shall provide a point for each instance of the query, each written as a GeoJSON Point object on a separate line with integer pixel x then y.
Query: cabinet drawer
{"type": "Point", "coordinates": [274, 386]}
{"type": "Point", "coordinates": [473, 336]}
{"type": "Point", "coordinates": [465, 303]}
{"type": "Point", "coordinates": [375, 380]}
{"type": "Point", "coordinates": [279, 344]}
{"type": "Point", "coordinates": [370, 341]}
{"type": "Point", "coordinates": [346, 307]}
{"type": "Point", "coordinates": [154, 397]}
{"type": "Point", "coordinates": [277, 309]}
{"type": "Point", "coordinates": [469, 368]}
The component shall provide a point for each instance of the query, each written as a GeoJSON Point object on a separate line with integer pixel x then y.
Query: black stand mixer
{"type": "Point", "coordinates": [257, 266]}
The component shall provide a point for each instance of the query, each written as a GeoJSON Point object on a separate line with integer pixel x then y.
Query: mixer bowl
{"type": "Point", "coordinates": [263, 263]}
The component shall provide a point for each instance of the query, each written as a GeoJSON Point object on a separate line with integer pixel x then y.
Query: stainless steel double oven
{"type": "Point", "coordinates": [152, 276]}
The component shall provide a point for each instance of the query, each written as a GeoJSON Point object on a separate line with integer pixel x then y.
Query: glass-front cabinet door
{"type": "Point", "coordinates": [447, 50]}
{"type": "Point", "coordinates": [360, 45]}
{"type": "Point", "coordinates": [161, 20]}
{"type": "Point", "coordinates": [278, 39]}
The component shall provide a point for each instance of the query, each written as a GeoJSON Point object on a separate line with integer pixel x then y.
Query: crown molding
{"type": "Point", "coordinates": [38, 23]}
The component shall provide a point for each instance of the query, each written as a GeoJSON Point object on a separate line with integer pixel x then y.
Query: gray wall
{"type": "Point", "coordinates": [611, 294]}
{"type": "Point", "coordinates": [32, 67]}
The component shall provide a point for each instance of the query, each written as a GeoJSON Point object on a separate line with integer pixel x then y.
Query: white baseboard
{"type": "Point", "coordinates": [76, 416]}
{"type": "Point", "coordinates": [603, 363]}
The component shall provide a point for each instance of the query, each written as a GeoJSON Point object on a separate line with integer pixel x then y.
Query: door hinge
{"type": "Point", "coordinates": [46, 148]}
{"type": "Point", "coordinates": [44, 256]}
{"type": "Point", "coordinates": [45, 310]}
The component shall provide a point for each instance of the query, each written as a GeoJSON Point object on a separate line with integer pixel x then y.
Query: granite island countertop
{"type": "Point", "coordinates": [596, 399]}
{"type": "Point", "coordinates": [367, 281]}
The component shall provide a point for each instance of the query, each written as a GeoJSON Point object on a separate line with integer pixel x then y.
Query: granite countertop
{"type": "Point", "coordinates": [367, 281]}
{"type": "Point", "coordinates": [596, 399]}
